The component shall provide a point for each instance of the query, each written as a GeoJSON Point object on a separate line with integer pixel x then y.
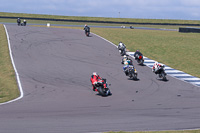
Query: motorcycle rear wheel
{"type": "Point", "coordinates": [102, 91]}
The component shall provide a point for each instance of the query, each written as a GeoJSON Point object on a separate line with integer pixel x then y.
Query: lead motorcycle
{"type": "Point", "coordinates": [161, 72]}
{"type": "Point", "coordinates": [102, 88]}
{"type": "Point", "coordinates": [87, 31]}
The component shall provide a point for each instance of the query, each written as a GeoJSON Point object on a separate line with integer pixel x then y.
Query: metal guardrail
{"type": "Point", "coordinates": [189, 29]}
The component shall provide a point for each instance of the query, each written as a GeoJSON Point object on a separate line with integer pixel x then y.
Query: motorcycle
{"type": "Point", "coordinates": [23, 24]}
{"type": "Point", "coordinates": [161, 72]}
{"type": "Point", "coordinates": [122, 51]}
{"type": "Point", "coordinates": [102, 88]}
{"type": "Point", "coordinates": [87, 31]}
{"type": "Point", "coordinates": [139, 59]}
{"type": "Point", "coordinates": [132, 73]}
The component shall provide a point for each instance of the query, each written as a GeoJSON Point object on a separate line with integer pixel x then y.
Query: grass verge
{"type": "Point", "coordinates": [8, 85]}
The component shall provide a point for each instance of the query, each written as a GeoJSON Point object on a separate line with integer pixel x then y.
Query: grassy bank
{"type": "Point", "coordinates": [8, 85]}
{"type": "Point", "coordinates": [101, 18]}
{"type": "Point", "coordinates": [91, 24]}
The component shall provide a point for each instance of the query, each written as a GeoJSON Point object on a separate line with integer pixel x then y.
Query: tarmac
{"type": "Point", "coordinates": [55, 66]}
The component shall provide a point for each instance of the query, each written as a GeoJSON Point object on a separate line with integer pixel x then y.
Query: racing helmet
{"type": "Point", "coordinates": [126, 63]}
{"type": "Point", "coordinates": [94, 73]}
{"type": "Point", "coordinates": [137, 50]}
{"type": "Point", "coordinates": [156, 63]}
{"type": "Point", "coordinates": [125, 56]}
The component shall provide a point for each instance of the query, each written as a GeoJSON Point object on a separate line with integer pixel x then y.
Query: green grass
{"type": "Point", "coordinates": [177, 50]}
{"type": "Point", "coordinates": [181, 131]}
{"type": "Point", "coordinates": [91, 24]}
{"type": "Point", "coordinates": [101, 18]}
{"type": "Point", "coordinates": [8, 85]}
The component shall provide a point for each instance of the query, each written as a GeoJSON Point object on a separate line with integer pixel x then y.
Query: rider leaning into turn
{"type": "Point", "coordinates": [121, 45]}
{"type": "Point", "coordinates": [86, 27]}
{"type": "Point", "coordinates": [126, 66]}
{"type": "Point", "coordinates": [94, 79]}
{"type": "Point", "coordinates": [156, 67]}
{"type": "Point", "coordinates": [137, 54]}
{"type": "Point", "coordinates": [125, 58]}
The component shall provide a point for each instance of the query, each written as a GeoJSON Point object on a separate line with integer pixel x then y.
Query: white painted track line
{"type": "Point", "coordinates": [16, 73]}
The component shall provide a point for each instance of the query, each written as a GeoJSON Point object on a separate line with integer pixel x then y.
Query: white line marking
{"type": "Point", "coordinates": [183, 75]}
{"type": "Point", "coordinates": [16, 73]}
{"type": "Point", "coordinates": [173, 71]}
{"type": "Point", "coordinates": [105, 39]}
{"type": "Point", "coordinates": [149, 64]}
{"type": "Point", "coordinates": [196, 83]}
{"type": "Point", "coordinates": [190, 78]}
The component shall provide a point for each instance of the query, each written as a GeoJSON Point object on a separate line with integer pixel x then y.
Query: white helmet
{"type": "Point", "coordinates": [125, 63]}
{"type": "Point", "coordinates": [94, 73]}
{"type": "Point", "coordinates": [156, 63]}
{"type": "Point", "coordinates": [124, 56]}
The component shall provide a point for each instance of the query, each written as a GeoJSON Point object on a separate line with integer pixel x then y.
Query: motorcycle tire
{"type": "Point", "coordinates": [135, 76]}
{"type": "Point", "coordinates": [123, 52]}
{"type": "Point", "coordinates": [140, 62]}
{"type": "Point", "coordinates": [163, 75]}
{"type": "Point", "coordinates": [102, 91]}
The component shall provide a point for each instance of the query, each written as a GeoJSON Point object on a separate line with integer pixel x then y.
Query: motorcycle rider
{"type": "Point", "coordinates": [86, 28]}
{"type": "Point", "coordinates": [121, 46]}
{"type": "Point", "coordinates": [125, 58]}
{"type": "Point", "coordinates": [18, 21]}
{"type": "Point", "coordinates": [126, 66]}
{"type": "Point", "coordinates": [94, 79]}
{"type": "Point", "coordinates": [156, 67]}
{"type": "Point", "coordinates": [24, 23]}
{"type": "Point", "coordinates": [137, 54]}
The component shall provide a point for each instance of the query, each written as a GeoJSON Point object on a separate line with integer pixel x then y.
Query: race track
{"type": "Point", "coordinates": [55, 66]}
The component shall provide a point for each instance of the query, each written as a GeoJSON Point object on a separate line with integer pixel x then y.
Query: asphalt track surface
{"type": "Point", "coordinates": [55, 66]}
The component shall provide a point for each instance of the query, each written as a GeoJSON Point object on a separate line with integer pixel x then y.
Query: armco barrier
{"type": "Point", "coordinates": [189, 29]}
